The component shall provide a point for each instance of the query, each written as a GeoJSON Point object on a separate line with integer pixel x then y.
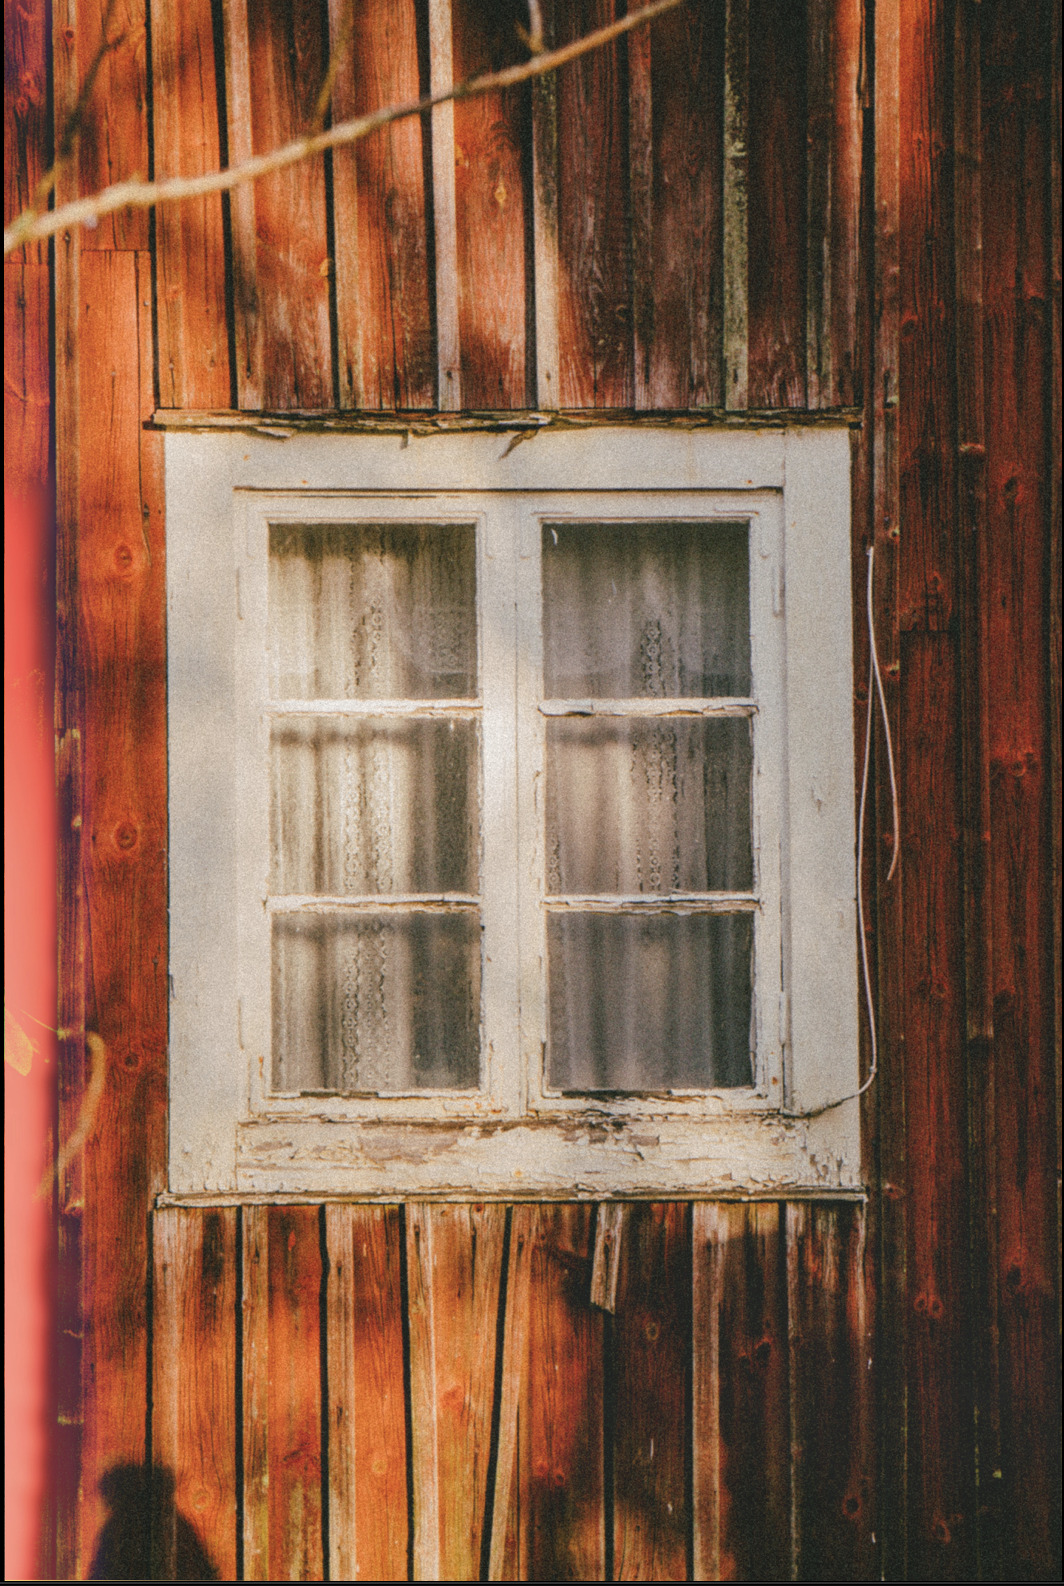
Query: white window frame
{"type": "Point", "coordinates": [229, 1133]}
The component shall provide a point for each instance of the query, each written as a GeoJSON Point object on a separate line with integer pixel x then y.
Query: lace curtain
{"type": "Point", "coordinates": [649, 806]}
{"type": "Point", "coordinates": [375, 806]}
{"type": "Point", "coordinates": [645, 991]}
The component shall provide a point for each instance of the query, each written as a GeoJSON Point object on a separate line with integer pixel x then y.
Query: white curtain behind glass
{"type": "Point", "coordinates": [374, 807]}
{"type": "Point", "coordinates": [647, 805]}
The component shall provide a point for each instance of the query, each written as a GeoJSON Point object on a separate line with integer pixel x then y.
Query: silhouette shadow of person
{"type": "Point", "coordinates": [145, 1537]}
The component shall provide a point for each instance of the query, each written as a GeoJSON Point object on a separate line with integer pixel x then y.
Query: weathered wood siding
{"type": "Point", "coordinates": [755, 207]}
{"type": "Point", "coordinates": [429, 1392]}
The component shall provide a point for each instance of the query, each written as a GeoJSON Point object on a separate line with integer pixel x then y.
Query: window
{"type": "Point", "coordinates": [511, 813]}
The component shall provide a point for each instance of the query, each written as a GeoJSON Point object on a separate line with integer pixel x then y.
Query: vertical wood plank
{"type": "Point", "coordinates": [833, 174]}
{"type": "Point", "coordinates": [675, 158]}
{"type": "Point", "coordinates": [889, 1091]}
{"type": "Point", "coordinates": [741, 1476]}
{"type": "Point", "coordinates": [940, 1445]}
{"type": "Point", "coordinates": [819, 195]}
{"type": "Point", "coordinates": [72, 1520]}
{"type": "Point", "coordinates": [444, 213]}
{"type": "Point", "coordinates": [286, 63]}
{"type": "Point", "coordinates": [605, 1260]}
{"type": "Point", "coordinates": [113, 143]}
{"type": "Point", "coordinates": [975, 690]}
{"type": "Point", "coordinates": [736, 135]}
{"type": "Point", "coordinates": [29, 675]}
{"type": "Point", "coordinates": [255, 1364]}
{"type": "Point", "coordinates": [249, 326]}
{"type": "Point", "coordinates": [27, 376]}
{"type": "Point", "coordinates": [641, 208]}
{"type": "Point", "coordinates": [282, 1394]}
{"type": "Point", "coordinates": [194, 1419]}
{"type": "Point", "coordinates": [776, 181]}
{"type": "Point", "coordinates": [189, 245]}
{"type": "Point", "coordinates": [489, 134]}
{"type": "Point", "coordinates": [27, 379]}
{"type": "Point", "coordinates": [511, 1537]}
{"type": "Point", "coordinates": [383, 307]}
{"type": "Point", "coordinates": [120, 591]}
{"type": "Point", "coordinates": [548, 1510]}
{"type": "Point", "coordinates": [454, 1266]}
{"type": "Point", "coordinates": [709, 1234]}
{"type": "Point", "coordinates": [566, 1513]}
{"type": "Point", "coordinates": [832, 1473]}
{"type": "Point", "coordinates": [651, 1343]}
{"type": "Point", "coordinates": [1021, 1153]}
{"type": "Point", "coordinates": [594, 299]}
{"type": "Point", "coordinates": [368, 1521]}
{"type": "Point", "coordinates": [1054, 637]}
{"type": "Point", "coordinates": [852, 95]}
{"type": "Point", "coordinates": [27, 134]}
{"type": "Point", "coordinates": [545, 225]}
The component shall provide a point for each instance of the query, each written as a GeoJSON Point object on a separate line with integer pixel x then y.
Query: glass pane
{"type": "Point", "coordinates": [376, 1002]}
{"type": "Point", "coordinates": [373, 806]}
{"type": "Point", "coordinates": [649, 1002]}
{"type": "Point", "coordinates": [373, 611]}
{"type": "Point", "coordinates": [658, 610]}
{"type": "Point", "coordinates": [648, 805]}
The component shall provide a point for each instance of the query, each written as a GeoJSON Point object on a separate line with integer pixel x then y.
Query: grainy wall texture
{"type": "Point", "coordinates": [777, 206]}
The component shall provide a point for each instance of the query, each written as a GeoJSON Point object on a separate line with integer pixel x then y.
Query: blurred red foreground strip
{"type": "Point", "coordinates": [29, 1020]}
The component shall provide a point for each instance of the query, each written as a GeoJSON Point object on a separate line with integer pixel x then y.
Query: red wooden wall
{"type": "Point", "coordinates": [759, 204]}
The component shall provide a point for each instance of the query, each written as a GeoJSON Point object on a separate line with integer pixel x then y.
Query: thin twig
{"type": "Point", "coordinates": [29, 227]}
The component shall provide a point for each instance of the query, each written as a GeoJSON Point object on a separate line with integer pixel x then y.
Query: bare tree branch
{"type": "Point", "coordinates": [30, 226]}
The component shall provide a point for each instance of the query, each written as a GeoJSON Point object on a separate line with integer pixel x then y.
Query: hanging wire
{"type": "Point", "coordinates": [875, 692]}
{"type": "Point", "coordinates": [875, 675]}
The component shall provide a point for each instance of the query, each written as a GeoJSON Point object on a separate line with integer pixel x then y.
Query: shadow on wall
{"type": "Point", "coordinates": [146, 1537]}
